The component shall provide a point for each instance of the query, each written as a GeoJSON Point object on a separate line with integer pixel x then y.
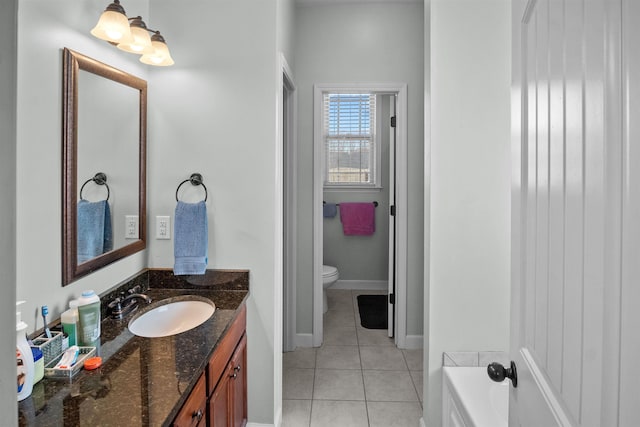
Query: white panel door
{"type": "Point", "coordinates": [576, 213]}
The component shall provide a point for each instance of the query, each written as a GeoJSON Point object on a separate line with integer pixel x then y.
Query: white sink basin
{"type": "Point", "coordinates": [172, 316]}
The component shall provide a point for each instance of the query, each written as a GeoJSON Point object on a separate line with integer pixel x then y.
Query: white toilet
{"type": "Point", "coordinates": [329, 276]}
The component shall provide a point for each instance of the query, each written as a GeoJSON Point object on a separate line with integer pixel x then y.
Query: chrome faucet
{"type": "Point", "coordinates": [123, 305]}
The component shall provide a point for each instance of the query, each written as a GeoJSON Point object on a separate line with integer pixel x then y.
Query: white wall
{"type": "Point", "coordinates": [214, 112]}
{"type": "Point", "coordinates": [8, 58]}
{"type": "Point", "coordinates": [470, 184]}
{"type": "Point", "coordinates": [377, 43]}
{"type": "Point", "coordinates": [427, 197]}
{"type": "Point", "coordinates": [44, 28]}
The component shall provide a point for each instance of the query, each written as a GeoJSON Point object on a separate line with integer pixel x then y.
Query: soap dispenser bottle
{"type": "Point", "coordinates": [24, 358]}
{"type": "Point", "coordinates": [69, 321]}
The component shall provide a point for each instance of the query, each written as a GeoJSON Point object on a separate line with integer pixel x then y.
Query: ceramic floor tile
{"type": "Point", "coordinates": [340, 300]}
{"type": "Point", "coordinates": [296, 413]}
{"type": "Point", "coordinates": [414, 359]}
{"type": "Point", "coordinates": [326, 413]}
{"type": "Point", "coordinates": [394, 414]}
{"type": "Point", "coordinates": [360, 378]}
{"type": "Point", "coordinates": [299, 358]}
{"type": "Point", "coordinates": [382, 358]}
{"type": "Point", "coordinates": [460, 358]}
{"type": "Point", "coordinates": [339, 294]}
{"type": "Point", "coordinates": [389, 386]}
{"type": "Point", "coordinates": [338, 319]}
{"type": "Point", "coordinates": [297, 383]}
{"type": "Point", "coordinates": [337, 384]}
{"type": "Point", "coordinates": [487, 357]}
{"type": "Point", "coordinates": [340, 335]}
{"type": "Point", "coordinates": [373, 337]}
{"type": "Point", "coordinates": [338, 357]}
{"type": "Point", "coordinates": [418, 382]}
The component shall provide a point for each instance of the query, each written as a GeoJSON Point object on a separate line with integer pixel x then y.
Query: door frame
{"type": "Point", "coordinates": [400, 90]}
{"type": "Point", "coordinates": [391, 286]}
{"type": "Point", "coordinates": [287, 123]}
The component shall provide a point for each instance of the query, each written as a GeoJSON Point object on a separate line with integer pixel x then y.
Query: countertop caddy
{"type": "Point", "coordinates": [144, 381]}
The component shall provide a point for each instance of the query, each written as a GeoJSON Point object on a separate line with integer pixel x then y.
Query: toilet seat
{"type": "Point", "coordinates": [329, 271]}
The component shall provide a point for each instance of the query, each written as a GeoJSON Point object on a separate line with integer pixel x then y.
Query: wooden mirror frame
{"type": "Point", "coordinates": [73, 62]}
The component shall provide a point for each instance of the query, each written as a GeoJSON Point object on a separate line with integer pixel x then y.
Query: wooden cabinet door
{"type": "Point", "coordinates": [193, 411]}
{"type": "Point", "coordinates": [238, 385]}
{"type": "Point", "coordinates": [219, 403]}
{"type": "Point", "coordinates": [228, 403]}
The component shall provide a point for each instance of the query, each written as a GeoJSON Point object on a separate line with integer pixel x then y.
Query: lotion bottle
{"type": "Point", "coordinates": [24, 358]}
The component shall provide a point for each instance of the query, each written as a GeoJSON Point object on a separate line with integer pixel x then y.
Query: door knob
{"type": "Point", "coordinates": [498, 373]}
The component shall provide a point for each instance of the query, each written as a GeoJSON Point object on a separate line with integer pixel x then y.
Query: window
{"type": "Point", "coordinates": [351, 155]}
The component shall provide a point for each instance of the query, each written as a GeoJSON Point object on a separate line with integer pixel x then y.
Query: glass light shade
{"type": "Point", "coordinates": [141, 42]}
{"type": "Point", "coordinates": [113, 27]}
{"type": "Point", "coordinates": [160, 57]}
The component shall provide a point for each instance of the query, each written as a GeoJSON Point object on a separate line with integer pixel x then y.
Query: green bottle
{"type": "Point", "coordinates": [69, 321]}
{"type": "Point", "coordinates": [89, 319]}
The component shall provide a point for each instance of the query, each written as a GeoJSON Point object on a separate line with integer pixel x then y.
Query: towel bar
{"type": "Point", "coordinates": [375, 203]}
{"type": "Point", "coordinates": [194, 179]}
{"type": "Point", "coordinates": [100, 179]}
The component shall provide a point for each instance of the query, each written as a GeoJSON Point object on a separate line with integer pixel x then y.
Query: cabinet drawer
{"type": "Point", "coordinates": [194, 409]}
{"type": "Point", "coordinates": [222, 354]}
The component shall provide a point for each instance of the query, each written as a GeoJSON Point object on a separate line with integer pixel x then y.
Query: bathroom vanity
{"type": "Point", "coordinates": [195, 378]}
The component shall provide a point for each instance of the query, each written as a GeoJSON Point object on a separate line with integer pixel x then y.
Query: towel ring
{"type": "Point", "coordinates": [194, 179]}
{"type": "Point", "coordinates": [99, 179]}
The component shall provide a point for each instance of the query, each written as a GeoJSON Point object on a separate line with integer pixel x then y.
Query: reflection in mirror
{"type": "Point", "coordinates": [104, 165]}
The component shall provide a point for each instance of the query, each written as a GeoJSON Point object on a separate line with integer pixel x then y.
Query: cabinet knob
{"type": "Point", "coordinates": [234, 375]}
{"type": "Point", "coordinates": [198, 414]}
{"type": "Point", "coordinates": [237, 368]}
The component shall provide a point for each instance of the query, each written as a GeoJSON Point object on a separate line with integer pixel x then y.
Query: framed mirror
{"type": "Point", "coordinates": [104, 139]}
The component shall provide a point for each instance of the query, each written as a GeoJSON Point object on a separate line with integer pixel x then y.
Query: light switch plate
{"type": "Point", "coordinates": [163, 227]}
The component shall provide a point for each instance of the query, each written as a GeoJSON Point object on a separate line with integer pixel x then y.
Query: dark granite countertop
{"type": "Point", "coordinates": [142, 381]}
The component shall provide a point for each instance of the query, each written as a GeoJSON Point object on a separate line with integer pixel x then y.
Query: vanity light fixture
{"type": "Point", "coordinates": [140, 42]}
{"type": "Point", "coordinates": [132, 36]}
{"type": "Point", "coordinates": [160, 56]}
{"type": "Point", "coordinates": [113, 25]}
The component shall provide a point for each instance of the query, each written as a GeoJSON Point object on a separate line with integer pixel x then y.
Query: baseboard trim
{"type": "Point", "coordinates": [304, 340]}
{"type": "Point", "coordinates": [373, 285]}
{"type": "Point", "coordinates": [414, 342]}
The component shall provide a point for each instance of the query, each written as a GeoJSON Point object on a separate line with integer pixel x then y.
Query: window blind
{"type": "Point", "coordinates": [349, 137]}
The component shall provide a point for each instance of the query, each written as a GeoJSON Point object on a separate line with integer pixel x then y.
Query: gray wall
{"type": "Point", "coordinates": [362, 257]}
{"type": "Point", "coordinates": [8, 58]}
{"type": "Point", "coordinates": [44, 28]}
{"type": "Point", "coordinates": [213, 112]}
{"type": "Point", "coordinates": [470, 175]}
{"type": "Point", "coordinates": [385, 45]}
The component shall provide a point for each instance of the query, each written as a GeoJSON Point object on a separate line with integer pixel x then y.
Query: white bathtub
{"type": "Point", "coordinates": [471, 399]}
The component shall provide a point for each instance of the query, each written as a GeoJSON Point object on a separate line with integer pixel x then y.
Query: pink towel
{"type": "Point", "coordinates": [358, 219]}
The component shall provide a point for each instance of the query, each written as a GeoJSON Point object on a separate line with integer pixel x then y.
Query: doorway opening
{"type": "Point", "coordinates": [393, 98]}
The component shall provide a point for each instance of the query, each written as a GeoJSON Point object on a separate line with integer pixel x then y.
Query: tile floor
{"type": "Point", "coordinates": [357, 378]}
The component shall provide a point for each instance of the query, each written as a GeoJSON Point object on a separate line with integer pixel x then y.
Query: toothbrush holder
{"type": "Point", "coordinates": [50, 347]}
